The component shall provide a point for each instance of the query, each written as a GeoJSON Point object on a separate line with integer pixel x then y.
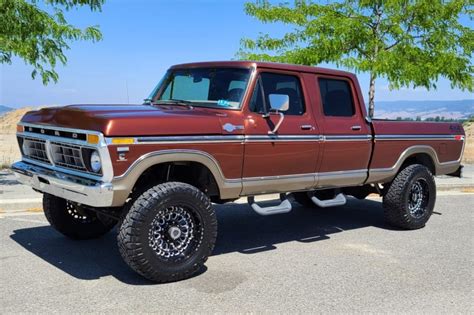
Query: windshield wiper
{"type": "Point", "coordinates": [174, 101]}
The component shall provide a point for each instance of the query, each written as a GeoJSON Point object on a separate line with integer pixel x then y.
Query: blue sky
{"type": "Point", "coordinates": [142, 38]}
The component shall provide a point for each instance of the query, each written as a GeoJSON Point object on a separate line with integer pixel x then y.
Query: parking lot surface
{"type": "Point", "coordinates": [344, 259]}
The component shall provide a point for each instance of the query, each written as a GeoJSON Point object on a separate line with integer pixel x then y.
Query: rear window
{"type": "Point", "coordinates": [336, 97]}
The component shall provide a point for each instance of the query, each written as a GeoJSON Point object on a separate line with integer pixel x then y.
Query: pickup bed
{"type": "Point", "coordinates": [214, 132]}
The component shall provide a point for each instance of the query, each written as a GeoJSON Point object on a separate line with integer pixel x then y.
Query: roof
{"type": "Point", "coordinates": [266, 65]}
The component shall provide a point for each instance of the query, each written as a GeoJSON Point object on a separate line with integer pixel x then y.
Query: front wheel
{"type": "Point", "coordinates": [169, 232]}
{"type": "Point", "coordinates": [410, 198]}
{"type": "Point", "coordinates": [74, 221]}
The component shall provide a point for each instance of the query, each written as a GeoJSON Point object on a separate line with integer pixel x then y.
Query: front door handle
{"type": "Point", "coordinates": [356, 128]}
{"type": "Point", "coordinates": [307, 127]}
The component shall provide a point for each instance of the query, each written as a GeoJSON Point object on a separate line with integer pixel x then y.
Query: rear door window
{"type": "Point", "coordinates": [336, 97]}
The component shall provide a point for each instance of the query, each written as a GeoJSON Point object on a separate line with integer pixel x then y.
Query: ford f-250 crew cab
{"type": "Point", "coordinates": [215, 132]}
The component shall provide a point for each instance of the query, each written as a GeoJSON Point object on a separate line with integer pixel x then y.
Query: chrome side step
{"type": "Point", "coordinates": [339, 200]}
{"type": "Point", "coordinates": [283, 207]}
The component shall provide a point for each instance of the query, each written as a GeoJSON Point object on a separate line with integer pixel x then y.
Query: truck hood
{"type": "Point", "coordinates": [133, 120]}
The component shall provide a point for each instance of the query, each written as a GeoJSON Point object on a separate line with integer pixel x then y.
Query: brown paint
{"type": "Point", "coordinates": [254, 159]}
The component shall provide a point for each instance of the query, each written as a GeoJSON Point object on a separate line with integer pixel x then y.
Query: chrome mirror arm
{"type": "Point", "coordinates": [277, 126]}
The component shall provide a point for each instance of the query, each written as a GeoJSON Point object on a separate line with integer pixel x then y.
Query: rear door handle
{"type": "Point", "coordinates": [355, 128]}
{"type": "Point", "coordinates": [307, 127]}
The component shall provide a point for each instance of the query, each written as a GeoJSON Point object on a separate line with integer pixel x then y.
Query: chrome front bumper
{"type": "Point", "coordinates": [82, 190]}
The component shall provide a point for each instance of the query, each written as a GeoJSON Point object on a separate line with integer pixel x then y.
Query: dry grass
{"type": "Point", "coordinates": [469, 148]}
{"type": "Point", "coordinates": [9, 151]}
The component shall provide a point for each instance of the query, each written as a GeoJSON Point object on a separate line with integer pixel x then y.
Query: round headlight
{"type": "Point", "coordinates": [96, 164]}
{"type": "Point", "coordinates": [25, 148]}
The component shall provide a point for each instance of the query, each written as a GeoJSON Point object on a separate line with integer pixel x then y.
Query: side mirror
{"type": "Point", "coordinates": [279, 102]}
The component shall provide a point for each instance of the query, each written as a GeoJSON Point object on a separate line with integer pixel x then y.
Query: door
{"type": "Point", "coordinates": [285, 160]}
{"type": "Point", "coordinates": [347, 136]}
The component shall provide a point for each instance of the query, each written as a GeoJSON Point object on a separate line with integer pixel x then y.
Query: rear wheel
{"type": "Point", "coordinates": [74, 221]}
{"type": "Point", "coordinates": [169, 232]}
{"type": "Point", "coordinates": [410, 198]}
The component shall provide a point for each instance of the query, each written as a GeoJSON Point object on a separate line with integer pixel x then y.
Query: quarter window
{"type": "Point", "coordinates": [336, 97]}
{"type": "Point", "coordinates": [273, 83]}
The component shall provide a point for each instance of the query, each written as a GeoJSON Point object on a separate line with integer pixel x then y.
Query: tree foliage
{"type": "Point", "coordinates": [40, 34]}
{"type": "Point", "coordinates": [410, 43]}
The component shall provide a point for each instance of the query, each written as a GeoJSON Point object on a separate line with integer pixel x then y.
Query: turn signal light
{"type": "Point", "coordinates": [123, 140]}
{"type": "Point", "coordinates": [20, 128]}
{"type": "Point", "coordinates": [459, 138]}
{"type": "Point", "coordinates": [93, 139]}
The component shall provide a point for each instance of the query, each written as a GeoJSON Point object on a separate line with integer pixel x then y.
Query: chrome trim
{"type": "Point", "coordinates": [332, 138]}
{"type": "Point", "coordinates": [74, 188]}
{"type": "Point", "coordinates": [297, 182]}
{"type": "Point", "coordinates": [185, 139]}
{"type": "Point", "coordinates": [101, 147]}
{"type": "Point", "coordinates": [231, 127]}
{"type": "Point", "coordinates": [73, 130]}
{"type": "Point", "coordinates": [342, 178]}
{"type": "Point", "coordinates": [414, 137]}
{"type": "Point", "coordinates": [240, 138]}
{"type": "Point", "coordinates": [68, 171]}
{"type": "Point", "coordinates": [53, 138]}
{"type": "Point", "coordinates": [277, 177]}
{"type": "Point", "coordinates": [283, 138]}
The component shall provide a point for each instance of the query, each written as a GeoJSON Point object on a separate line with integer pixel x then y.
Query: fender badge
{"type": "Point", "coordinates": [231, 128]}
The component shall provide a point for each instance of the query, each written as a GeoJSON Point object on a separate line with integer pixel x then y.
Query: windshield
{"type": "Point", "coordinates": [207, 87]}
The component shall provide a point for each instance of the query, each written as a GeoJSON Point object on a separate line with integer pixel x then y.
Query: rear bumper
{"type": "Point", "coordinates": [82, 190]}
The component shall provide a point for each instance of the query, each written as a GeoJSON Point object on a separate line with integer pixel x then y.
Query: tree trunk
{"type": "Point", "coordinates": [371, 95]}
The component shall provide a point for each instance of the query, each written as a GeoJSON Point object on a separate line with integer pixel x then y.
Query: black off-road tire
{"type": "Point", "coordinates": [144, 253]}
{"type": "Point", "coordinates": [82, 225]}
{"type": "Point", "coordinates": [396, 202]}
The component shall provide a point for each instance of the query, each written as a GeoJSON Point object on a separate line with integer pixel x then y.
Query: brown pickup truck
{"type": "Point", "coordinates": [217, 131]}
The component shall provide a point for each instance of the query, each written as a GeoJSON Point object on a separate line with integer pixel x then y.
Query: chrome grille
{"type": "Point", "coordinates": [67, 155]}
{"type": "Point", "coordinates": [35, 149]}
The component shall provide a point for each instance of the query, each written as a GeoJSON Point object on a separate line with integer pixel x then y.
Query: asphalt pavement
{"type": "Point", "coordinates": [343, 259]}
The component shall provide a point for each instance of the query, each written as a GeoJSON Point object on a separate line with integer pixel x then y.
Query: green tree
{"type": "Point", "coordinates": [40, 34]}
{"type": "Point", "coordinates": [410, 43]}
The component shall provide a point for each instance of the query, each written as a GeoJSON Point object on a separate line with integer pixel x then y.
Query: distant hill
{"type": "Point", "coordinates": [425, 109]}
{"type": "Point", "coordinates": [4, 109]}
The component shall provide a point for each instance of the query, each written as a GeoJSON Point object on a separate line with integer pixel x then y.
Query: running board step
{"type": "Point", "coordinates": [283, 207]}
{"type": "Point", "coordinates": [339, 200]}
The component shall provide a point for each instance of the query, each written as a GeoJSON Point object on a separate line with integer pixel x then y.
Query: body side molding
{"type": "Point", "coordinates": [228, 188]}
{"type": "Point", "coordinates": [379, 175]}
